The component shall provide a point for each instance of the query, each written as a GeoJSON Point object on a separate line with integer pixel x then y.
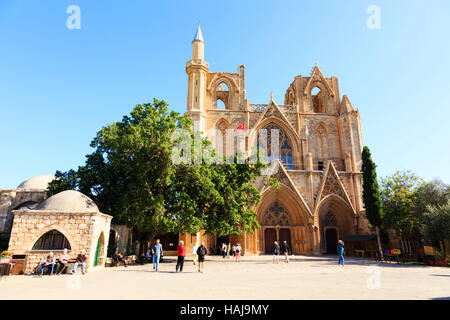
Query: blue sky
{"type": "Point", "coordinates": [58, 87]}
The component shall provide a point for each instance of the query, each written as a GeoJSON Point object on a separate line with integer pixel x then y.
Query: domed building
{"type": "Point", "coordinates": [68, 220]}
{"type": "Point", "coordinates": [29, 194]}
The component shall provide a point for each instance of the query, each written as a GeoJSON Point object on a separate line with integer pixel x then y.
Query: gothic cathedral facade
{"type": "Point", "coordinates": [319, 198]}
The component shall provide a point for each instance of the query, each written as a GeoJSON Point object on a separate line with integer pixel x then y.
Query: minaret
{"type": "Point", "coordinates": [197, 70]}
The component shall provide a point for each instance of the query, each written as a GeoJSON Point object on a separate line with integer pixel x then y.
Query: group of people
{"type": "Point", "coordinates": [232, 250]}
{"type": "Point", "coordinates": [154, 254]}
{"type": "Point", "coordinates": [276, 251]}
{"type": "Point", "coordinates": [62, 262]}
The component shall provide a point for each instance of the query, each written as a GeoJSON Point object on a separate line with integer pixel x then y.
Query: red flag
{"type": "Point", "coordinates": [241, 127]}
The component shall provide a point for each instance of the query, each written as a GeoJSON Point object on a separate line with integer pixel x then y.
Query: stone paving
{"type": "Point", "coordinates": [255, 277]}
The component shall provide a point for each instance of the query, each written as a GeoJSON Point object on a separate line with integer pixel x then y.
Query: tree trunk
{"type": "Point", "coordinates": [379, 244]}
{"type": "Point", "coordinates": [403, 243]}
{"type": "Point", "coordinates": [442, 249]}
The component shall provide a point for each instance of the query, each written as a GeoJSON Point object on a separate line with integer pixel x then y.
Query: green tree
{"type": "Point", "coordinates": [131, 176]}
{"type": "Point", "coordinates": [436, 227]}
{"type": "Point", "coordinates": [371, 194]}
{"type": "Point", "coordinates": [434, 193]}
{"type": "Point", "coordinates": [398, 196]}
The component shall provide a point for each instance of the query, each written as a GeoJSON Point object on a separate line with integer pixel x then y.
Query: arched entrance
{"type": "Point", "coordinates": [335, 222]}
{"type": "Point", "coordinates": [270, 235]}
{"type": "Point", "coordinates": [331, 240]}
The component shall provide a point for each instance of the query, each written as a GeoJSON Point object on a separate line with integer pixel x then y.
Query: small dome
{"type": "Point", "coordinates": [68, 201]}
{"type": "Point", "coordinates": [37, 183]}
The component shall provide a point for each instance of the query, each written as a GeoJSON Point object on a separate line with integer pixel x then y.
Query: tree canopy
{"type": "Point", "coordinates": [131, 176]}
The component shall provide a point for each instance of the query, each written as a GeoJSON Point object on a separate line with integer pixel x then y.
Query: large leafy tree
{"type": "Point", "coordinates": [131, 176]}
{"type": "Point", "coordinates": [436, 227]}
{"type": "Point", "coordinates": [398, 195]}
{"type": "Point", "coordinates": [371, 194]}
{"type": "Point", "coordinates": [434, 193]}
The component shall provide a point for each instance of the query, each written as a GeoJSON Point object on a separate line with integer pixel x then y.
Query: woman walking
{"type": "Point", "coordinates": [181, 254]}
{"type": "Point", "coordinates": [238, 252]}
{"type": "Point", "coordinates": [194, 253]}
{"type": "Point", "coordinates": [201, 252]}
{"type": "Point", "coordinates": [276, 252]}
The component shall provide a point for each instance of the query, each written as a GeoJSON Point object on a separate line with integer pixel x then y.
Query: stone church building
{"type": "Point", "coordinates": [319, 199]}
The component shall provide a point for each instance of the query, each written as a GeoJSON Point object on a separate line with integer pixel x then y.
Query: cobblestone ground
{"type": "Point", "coordinates": [255, 277]}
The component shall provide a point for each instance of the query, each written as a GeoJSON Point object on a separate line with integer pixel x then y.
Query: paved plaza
{"type": "Point", "coordinates": [255, 277]}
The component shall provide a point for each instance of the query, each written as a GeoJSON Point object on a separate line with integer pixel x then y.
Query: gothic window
{"type": "Point", "coordinates": [317, 100]}
{"type": "Point", "coordinates": [222, 94]}
{"type": "Point", "coordinates": [285, 147]}
{"type": "Point", "coordinates": [330, 219]}
{"type": "Point", "coordinates": [52, 240]}
{"type": "Point", "coordinates": [276, 215]}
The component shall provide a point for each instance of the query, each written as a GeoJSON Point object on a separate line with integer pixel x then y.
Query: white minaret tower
{"type": "Point", "coordinates": [197, 70]}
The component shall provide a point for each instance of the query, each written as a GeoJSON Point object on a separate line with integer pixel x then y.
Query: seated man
{"type": "Point", "coordinates": [117, 257]}
{"type": "Point", "coordinates": [148, 256]}
{"type": "Point", "coordinates": [81, 260]}
{"type": "Point", "coordinates": [49, 261]}
{"type": "Point", "coordinates": [62, 263]}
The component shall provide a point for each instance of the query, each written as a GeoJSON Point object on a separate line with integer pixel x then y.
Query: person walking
{"type": "Point", "coordinates": [201, 252]}
{"type": "Point", "coordinates": [194, 253]}
{"type": "Point", "coordinates": [285, 249]}
{"type": "Point", "coordinates": [340, 252]}
{"type": "Point", "coordinates": [181, 255]}
{"type": "Point", "coordinates": [237, 250]}
{"type": "Point", "coordinates": [276, 252]}
{"type": "Point", "coordinates": [224, 250]}
{"type": "Point", "coordinates": [157, 251]}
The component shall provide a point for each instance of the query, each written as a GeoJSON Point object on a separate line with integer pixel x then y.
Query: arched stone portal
{"type": "Point", "coordinates": [281, 219]}
{"type": "Point", "coordinates": [336, 221]}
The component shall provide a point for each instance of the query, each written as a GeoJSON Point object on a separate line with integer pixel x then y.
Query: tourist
{"type": "Point", "coordinates": [50, 260]}
{"type": "Point", "coordinates": [228, 250]}
{"type": "Point", "coordinates": [118, 257]}
{"type": "Point", "coordinates": [233, 250]}
{"type": "Point", "coordinates": [276, 252]}
{"type": "Point", "coordinates": [238, 252]}
{"type": "Point", "coordinates": [201, 252]}
{"type": "Point", "coordinates": [224, 250]}
{"type": "Point", "coordinates": [62, 263]}
{"type": "Point", "coordinates": [81, 260]}
{"type": "Point", "coordinates": [156, 252]}
{"type": "Point", "coordinates": [285, 249]}
{"type": "Point", "coordinates": [340, 252]}
{"type": "Point", "coordinates": [194, 253]}
{"type": "Point", "coordinates": [181, 255]}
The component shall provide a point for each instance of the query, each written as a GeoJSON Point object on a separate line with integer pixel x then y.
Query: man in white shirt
{"type": "Point", "coordinates": [63, 260]}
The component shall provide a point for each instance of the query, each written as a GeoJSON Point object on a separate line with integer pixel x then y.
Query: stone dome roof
{"type": "Point", "coordinates": [37, 183]}
{"type": "Point", "coordinates": [68, 201]}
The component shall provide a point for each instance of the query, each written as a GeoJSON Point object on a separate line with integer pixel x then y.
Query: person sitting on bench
{"type": "Point", "coordinates": [81, 260]}
{"type": "Point", "coordinates": [50, 260]}
{"type": "Point", "coordinates": [119, 258]}
{"type": "Point", "coordinates": [63, 260]}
